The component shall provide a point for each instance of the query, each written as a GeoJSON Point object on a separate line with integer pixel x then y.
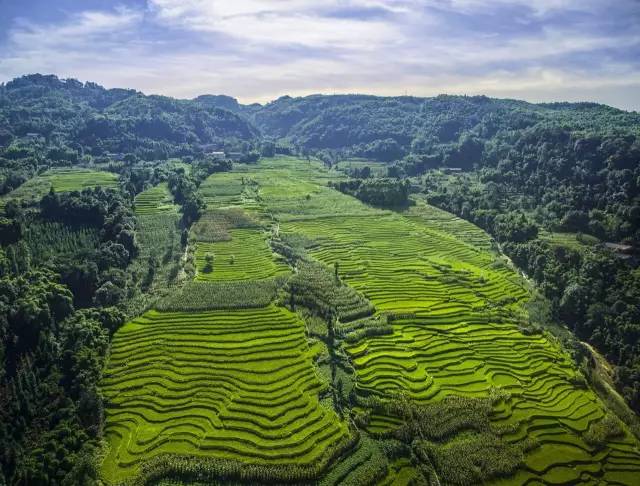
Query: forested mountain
{"type": "Point", "coordinates": [84, 118]}
{"type": "Point", "coordinates": [452, 128]}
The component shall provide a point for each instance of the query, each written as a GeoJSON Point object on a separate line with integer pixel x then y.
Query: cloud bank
{"type": "Point", "coordinates": [539, 50]}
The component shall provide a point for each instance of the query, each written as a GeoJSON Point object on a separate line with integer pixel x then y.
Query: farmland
{"type": "Point", "coordinates": [230, 378]}
{"type": "Point", "coordinates": [246, 256]}
{"type": "Point", "coordinates": [572, 241]}
{"type": "Point", "coordinates": [63, 180]}
{"type": "Point", "coordinates": [234, 385]}
{"type": "Point", "coordinates": [156, 199]}
{"type": "Point", "coordinates": [381, 307]}
{"type": "Point", "coordinates": [60, 180]}
{"type": "Point", "coordinates": [158, 234]}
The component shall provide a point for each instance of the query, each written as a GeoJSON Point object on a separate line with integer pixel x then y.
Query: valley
{"type": "Point", "coordinates": [294, 387]}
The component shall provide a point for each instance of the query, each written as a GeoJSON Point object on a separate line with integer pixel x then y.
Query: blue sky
{"type": "Point", "coordinates": [538, 50]}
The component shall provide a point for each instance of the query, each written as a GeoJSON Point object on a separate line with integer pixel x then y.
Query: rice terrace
{"type": "Point", "coordinates": [414, 313]}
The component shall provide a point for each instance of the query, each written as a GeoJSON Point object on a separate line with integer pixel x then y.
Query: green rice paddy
{"type": "Point", "coordinates": [240, 383]}
{"type": "Point", "coordinates": [227, 189]}
{"type": "Point", "coordinates": [237, 385]}
{"type": "Point", "coordinates": [246, 256]}
{"type": "Point", "coordinates": [61, 180]}
{"type": "Point", "coordinates": [156, 199]}
{"type": "Point", "coordinates": [76, 179]}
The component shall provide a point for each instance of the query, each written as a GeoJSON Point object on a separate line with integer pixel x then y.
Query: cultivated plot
{"type": "Point", "coordinates": [61, 180]}
{"type": "Point", "coordinates": [236, 385]}
{"type": "Point", "coordinates": [156, 199]}
{"type": "Point", "coordinates": [246, 256]}
{"type": "Point", "coordinates": [425, 309]}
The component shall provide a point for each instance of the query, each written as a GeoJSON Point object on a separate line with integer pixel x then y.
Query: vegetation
{"type": "Point", "coordinates": [316, 319]}
{"type": "Point", "coordinates": [109, 121]}
{"type": "Point", "coordinates": [251, 383]}
{"type": "Point", "coordinates": [156, 199]}
{"type": "Point", "coordinates": [387, 193]}
{"type": "Point", "coordinates": [456, 311]}
{"type": "Point", "coordinates": [195, 296]}
{"type": "Point", "coordinates": [58, 180]}
{"type": "Point", "coordinates": [591, 288]}
{"type": "Point", "coordinates": [246, 256]}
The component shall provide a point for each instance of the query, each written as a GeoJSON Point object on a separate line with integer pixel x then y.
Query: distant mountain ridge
{"type": "Point", "coordinates": [384, 128]}
{"type": "Point", "coordinates": [70, 113]}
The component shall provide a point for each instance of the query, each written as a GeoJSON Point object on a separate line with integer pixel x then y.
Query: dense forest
{"type": "Point", "coordinates": [72, 272]}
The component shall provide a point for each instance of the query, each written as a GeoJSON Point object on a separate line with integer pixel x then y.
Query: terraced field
{"type": "Point", "coordinates": [226, 189]}
{"type": "Point", "coordinates": [156, 199]}
{"type": "Point", "coordinates": [237, 385]}
{"type": "Point", "coordinates": [240, 384]}
{"type": "Point", "coordinates": [246, 256]}
{"type": "Point", "coordinates": [457, 334]}
{"type": "Point", "coordinates": [456, 312]}
{"type": "Point", "coordinates": [76, 179]}
{"type": "Point", "coordinates": [62, 180]}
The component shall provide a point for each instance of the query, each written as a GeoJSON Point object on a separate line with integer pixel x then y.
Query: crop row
{"type": "Point", "coordinates": [156, 199]}
{"type": "Point", "coordinates": [236, 385]}
{"type": "Point", "coordinates": [456, 334]}
{"type": "Point", "coordinates": [246, 256]}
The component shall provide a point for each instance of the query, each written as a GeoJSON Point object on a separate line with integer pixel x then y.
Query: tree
{"type": "Point", "coordinates": [268, 148]}
{"type": "Point", "coordinates": [10, 231]}
{"type": "Point", "coordinates": [208, 266]}
{"type": "Point", "coordinates": [108, 294]}
{"type": "Point", "coordinates": [192, 208]}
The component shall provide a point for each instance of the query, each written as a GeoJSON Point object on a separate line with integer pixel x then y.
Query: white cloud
{"type": "Point", "coordinates": [81, 27]}
{"type": "Point", "coordinates": [285, 22]}
{"type": "Point", "coordinates": [539, 7]}
{"type": "Point", "coordinates": [88, 39]}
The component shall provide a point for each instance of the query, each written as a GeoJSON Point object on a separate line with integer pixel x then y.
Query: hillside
{"type": "Point", "coordinates": [330, 290]}
{"type": "Point", "coordinates": [71, 114]}
{"type": "Point", "coordinates": [390, 128]}
{"type": "Point", "coordinates": [419, 308]}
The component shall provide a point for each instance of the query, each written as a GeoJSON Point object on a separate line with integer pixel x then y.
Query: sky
{"type": "Point", "coordinates": [537, 50]}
